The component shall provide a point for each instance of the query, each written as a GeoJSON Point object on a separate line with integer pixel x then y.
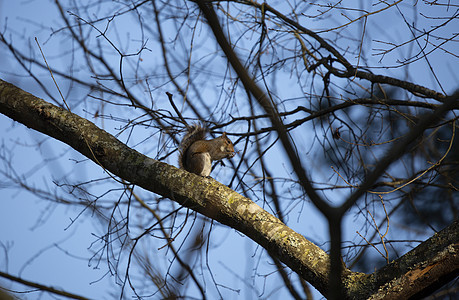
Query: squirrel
{"type": "Point", "coordinates": [197, 153]}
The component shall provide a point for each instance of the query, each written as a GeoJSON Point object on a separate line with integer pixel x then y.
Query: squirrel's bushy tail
{"type": "Point", "coordinates": [195, 133]}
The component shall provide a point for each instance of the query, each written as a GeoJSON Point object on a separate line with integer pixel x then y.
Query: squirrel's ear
{"type": "Point", "coordinates": [224, 134]}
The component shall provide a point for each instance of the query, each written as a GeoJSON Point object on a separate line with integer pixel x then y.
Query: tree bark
{"type": "Point", "coordinates": [432, 263]}
{"type": "Point", "coordinates": [422, 270]}
{"type": "Point", "coordinates": [203, 195]}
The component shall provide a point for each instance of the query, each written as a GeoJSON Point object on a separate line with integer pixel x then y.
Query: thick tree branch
{"type": "Point", "coordinates": [432, 263]}
{"type": "Point", "coordinates": [264, 102]}
{"type": "Point", "coordinates": [203, 195]}
{"type": "Point", "coordinates": [332, 214]}
{"type": "Point", "coordinates": [419, 272]}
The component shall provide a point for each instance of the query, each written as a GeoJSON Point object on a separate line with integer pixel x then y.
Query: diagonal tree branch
{"type": "Point", "coordinates": [429, 265]}
{"type": "Point", "coordinates": [332, 214]}
{"type": "Point", "coordinates": [203, 195]}
{"type": "Point", "coordinates": [38, 286]}
{"type": "Point", "coordinates": [419, 272]}
{"type": "Point", "coordinates": [264, 102]}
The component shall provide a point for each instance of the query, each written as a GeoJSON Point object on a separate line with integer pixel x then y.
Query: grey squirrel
{"type": "Point", "coordinates": [197, 153]}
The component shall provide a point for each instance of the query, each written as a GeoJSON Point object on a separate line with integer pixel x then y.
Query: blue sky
{"type": "Point", "coordinates": [42, 242]}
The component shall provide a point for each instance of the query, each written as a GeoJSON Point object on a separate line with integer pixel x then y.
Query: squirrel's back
{"type": "Point", "coordinates": [196, 132]}
{"type": "Point", "coordinates": [197, 153]}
